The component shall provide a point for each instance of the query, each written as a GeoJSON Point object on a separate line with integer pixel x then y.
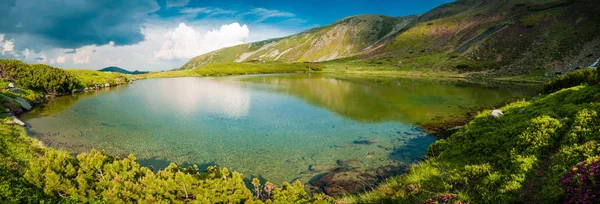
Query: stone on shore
{"type": "Point", "coordinates": [496, 114]}
{"type": "Point", "coordinates": [11, 85]}
{"type": "Point", "coordinates": [17, 121]}
{"type": "Point", "coordinates": [107, 85]}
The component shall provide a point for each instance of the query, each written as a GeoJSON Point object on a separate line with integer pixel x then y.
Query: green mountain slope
{"type": "Point", "coordinates": [509, 36]}
{"type": "Point", "coordinates": [501, 36]}
{"type": "Point", "coordinates": [121, 70]}
{"type": "Point", "coordinates": [344, 38]}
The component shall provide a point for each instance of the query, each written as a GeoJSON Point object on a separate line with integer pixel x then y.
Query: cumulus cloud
{"type": "Point", "coordinates": [72, 24]}
{"type": "Point", "coordinates": [61, 59]}
{"type": "Point", "coordinates": [9, 46]}
{"type": "Point", "coordinates": [185, 42]}
{"type": "Point", "coordinates": [26, 53]}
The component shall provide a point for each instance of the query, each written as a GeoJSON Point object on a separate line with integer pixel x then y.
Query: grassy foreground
{"type": "Point", "coordinates": [519, 157]}
{"type": "Point", "coordinates": [234, 68]}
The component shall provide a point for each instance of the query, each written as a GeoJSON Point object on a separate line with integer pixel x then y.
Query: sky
{"type": "Point", "coordinates": [156, 35]}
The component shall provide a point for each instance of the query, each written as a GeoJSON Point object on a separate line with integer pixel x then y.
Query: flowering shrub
{"type": "Point", "coordinates": [443, 199]}
{"type": "Point", "coordinates": [581, 183]}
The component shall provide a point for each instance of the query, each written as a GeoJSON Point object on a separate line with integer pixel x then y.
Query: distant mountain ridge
{"type": "Point", "coordinates": [121, 70]}
{"type": "Point", "coordinates": [344, 38]}
{"type": "Point", "coordinates": [507, 36]}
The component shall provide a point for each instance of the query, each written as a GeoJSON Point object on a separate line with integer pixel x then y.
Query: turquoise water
{"type": "Point", "coordinates": [269, 126]}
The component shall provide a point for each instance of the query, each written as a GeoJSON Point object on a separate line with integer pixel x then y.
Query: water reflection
{"type": "Point", "coordinates": [373, 99]}
{"type": "Point", "coordinates": [276, 126]}
{"type": "Point", "coordinates": [190, 95]}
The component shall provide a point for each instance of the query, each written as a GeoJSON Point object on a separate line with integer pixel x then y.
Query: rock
{"type": "Point", "coordinates": [11, 85]}
{"type": "Point", "coordinates": [319, 168]}
{"type": "Point", "coordinates": [521, 110]}
{"type": "Point", "coordinates": [496, 114]}
{"type": "Point", "coordinates": [86, 89]}
{"type": "Point", "coordinates": [364, 141]}
{"type": "Point", "coordinates": [17, 121]}
{"type": "Point", "coordinates": [107, 85]}
{"type": "Point", "coordinates": [23, 103]}
{"type": "Point", "coordinates": [342, 182]}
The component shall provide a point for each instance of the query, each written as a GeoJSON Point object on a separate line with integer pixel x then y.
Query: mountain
{"type": "Point", "coordinates": [344, 38]}
{"type": "Point", "coordinates": [504, 36]}
{"type": "Point", "coordinates": [121, 70]}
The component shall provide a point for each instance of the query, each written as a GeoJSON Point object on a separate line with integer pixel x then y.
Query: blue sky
{"type": "Point", "coordinates": [164, 34]}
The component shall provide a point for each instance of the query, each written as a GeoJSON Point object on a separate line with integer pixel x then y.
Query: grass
{"type": "Point", "coordinates": [89, 78]}
{"type": "Point", "coordinates": [516, 158]}
{"type": "Point", "coordinates": [234, 68]}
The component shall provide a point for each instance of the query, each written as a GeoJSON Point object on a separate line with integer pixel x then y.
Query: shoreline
{"type": "Point", "coordinates": [378, 175]}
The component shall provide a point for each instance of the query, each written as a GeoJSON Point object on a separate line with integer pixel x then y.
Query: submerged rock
{"type": "Point", "coordinates": [343, 181]}
{"type": "Point", "coordinates": [349, 164]}
{"type": "Point", "coordinates": [364, 141]}
{"type": "Point", "coordinates": [320, 168]}
{"type": "Point", "coordinates": [23, 103]}
{"type": "Point", "coordinates": [496, 114]}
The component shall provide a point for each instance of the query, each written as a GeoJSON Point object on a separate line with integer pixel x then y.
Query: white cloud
{"type": "Point", "coordinates": [185, 42]}
{"type": "Point", "coordinates": [176, 3]}
{"type": "Point", "coordinates": [263, 14]}
{"type": "Point", "coordinates": [42, 58]}
{"type": "Point", "coordinates": [8, 46]}
{"type": "Point", "coordinates": [210, 11]}
{"type": "Point", "coordinates": [61, 59]}
{"type": "Point", "coordinates": [26, 53]}
{"type": "Point", "coordinates": [111, 62]}
{"type": "Point", "coordinates": [211, 34]}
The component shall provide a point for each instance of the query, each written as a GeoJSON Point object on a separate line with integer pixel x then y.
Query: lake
{"type": "Point", "coordinates": [276, 127]}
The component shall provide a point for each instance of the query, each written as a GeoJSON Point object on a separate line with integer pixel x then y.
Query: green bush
{"type": "Point", "coordinates": [38, 77]}
{"type": "Point", "coordinates": [571, 79]}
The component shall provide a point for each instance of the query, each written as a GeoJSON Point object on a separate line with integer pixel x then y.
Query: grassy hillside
{"type": "Point", "coordinates": [346, 37]}
{"type": "Point", "coordinates": [507, 37]}
{"type": "Point", "coordinates": [523, 156]}
{"type": "Point", "coordinates": [236, 68]}
{"type": "Point", "coordinates": [533, 38]}
{"type": "Point", "coordinates": [89, 78]}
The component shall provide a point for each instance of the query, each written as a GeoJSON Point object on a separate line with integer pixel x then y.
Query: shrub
{"type": "Point", "coordinates": [38, 77]}
{"type": "Point", "coordinates": [581, 183]}
{"type": "Point", "coordinates": [575, 78]}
